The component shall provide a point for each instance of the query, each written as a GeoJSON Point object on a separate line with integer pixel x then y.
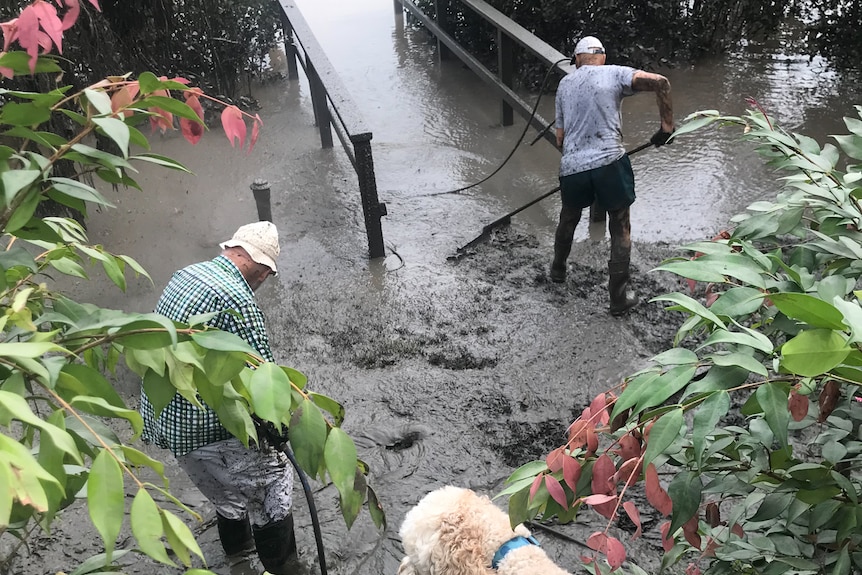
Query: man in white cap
{"type": "Point", "coordinates": [251, 489]}
{"type": "Point", "coordinates": [594, 165]}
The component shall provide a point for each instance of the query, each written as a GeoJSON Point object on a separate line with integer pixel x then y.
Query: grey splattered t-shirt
{"type": "Point", "coordinates": [588, 110]}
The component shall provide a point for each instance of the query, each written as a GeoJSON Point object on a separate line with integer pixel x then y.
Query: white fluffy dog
{"type": "Point", "coordinates": [455, 531]}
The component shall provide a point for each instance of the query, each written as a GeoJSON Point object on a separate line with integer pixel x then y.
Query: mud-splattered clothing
{"type": "Point", "coordinates": [588, 111]}
{"type": "Point", "coordinates": [240, 482]}
{"type": "Point", "coordinates": [213, 286]}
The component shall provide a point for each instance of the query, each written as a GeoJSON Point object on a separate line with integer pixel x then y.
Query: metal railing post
{"type": "Point", "coordinates": [372, 209]}
{"type": "Point", "coordinates": [318, 102]}
{"type": "Point", "coordinates": [289, 47]}
{"type": "Point", "coordinates": [399, 9]}
{"type": "Point", "coordinates": [506, 66]}
{"type": "Point", "coordinates": [443, 10]}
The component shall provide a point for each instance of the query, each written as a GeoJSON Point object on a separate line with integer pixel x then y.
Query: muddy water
{"type": "Point", "coordinates": [451, 372]}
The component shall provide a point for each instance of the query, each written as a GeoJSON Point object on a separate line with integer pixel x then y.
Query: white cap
{"type": "Point", "coordinates": [259, 240]}
{"type": "Point", "coordinates": [589, 45]}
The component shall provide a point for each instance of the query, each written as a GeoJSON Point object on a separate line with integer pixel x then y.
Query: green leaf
{"type": "Point", "coordinates": [812, 310]}
{"type": "Point", "coordinates": [29, 349]}
{"type": "Point", "coordinates": [99, 100]}
{"type": "Point", "coordinates": [270, 394]}
{"type": "Point", "coordinates": [340, 457]}
{"type": "Point", "coordinates": [738, 338]}
{"type": "Point", "coordinates": [376, 510]}
{"type": "Point", "coordinates": [105, 499]}
{"type": "Point", "coordinates": [98, 406]}
{"type": "Point", "coordinates": [159, 390]}
{"type": "Point", "coordinates": [16, 180]}
{"type": "Point", "coordinates": [662, 434]}
{"type": "Point", "coordinates": [708, 414]}
{"type": "Point", "coordinates": [222, 341]}
{"type": "Point", "coordinates": [335, 409]}
{"type": "Point", "coordinates": [676, 356]}
{"type": "Point", "coordinates": [307, 434]}
{"type": "Point", "coordinates": [163, 161]}
{"type": "Point", "coordinates": [220, 367]}
{"type": "Point", "coordinates": [527, 471]}
{"type": "Point", "coordinates": [685, 492]}
{"type": "Point", "coordinates": [180, 537]}
{"type": "Point", "coordinates": [149, 83]}
{"type": "Point", "coordinates": [740, 359]}
{"type": "Point", "coordinates": [147, 527]}
{"type": "Point", "coordinates": [772, 397]}
{"type": "Point", "coordinates": [814, 352]}
{"type": "Point", "coordinates": [168, 104]}
{"type": "Point", "coordinates": [690, 305]}
{"type": "Point", "coordinates": [79, 190]}
{"type": "Point", "coordinates": [80, 379]}
{"type": "Point", "coordinates": [141, 459]}
{"type": "Point", "coordinates": [24, 114]}
{"type": "Point", "coordinates": [20, 63]}
{"type": "Point", "coordinates": [351, 501]}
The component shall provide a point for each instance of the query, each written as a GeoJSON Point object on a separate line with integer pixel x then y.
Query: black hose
{"type": "Point", "coordinates": [312, 509]}
{"type": "Point", "coordinates": [520, 138]}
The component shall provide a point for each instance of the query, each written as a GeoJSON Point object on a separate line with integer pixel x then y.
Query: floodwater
{"type": "Point", "coordinates": [450, 372]}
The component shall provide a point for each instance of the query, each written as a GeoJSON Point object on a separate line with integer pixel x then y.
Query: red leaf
{"type": "Point", "coordinates": [123, 97]}
{"type": "Point", "coordinates": [193, 131]}
{"type": "Point", "coordinates": [607, 509]}
{"type": "Point", "coordinates": [592, 439]}
{"type": "Point", "coordinates": [234, 126]}
{"type": "Point", "coordinates": [798, 405]}
{"type": "Point", "coordinates": [598, 499]}
{"type": "Point", "coordinates": [737, 530]}
{"type": "Point", "coordinates": [556, 491]}
{"type": "Point", "coordinates": [635, 516]}
{"type": "Point", "coordinates": [161, 119]}
{"type": "Point", "coordinates": [50, 24]}
{"type": "Point", "coordinates": [655, 493]}
{"type": "Point", "coordinates": [829, 396]}
{"type": "Point", "coordinates": [689, 530]}
{"type": "Point", "coordinates": [666, 540]}
{"type": "Point", "coordinates": [629, 471]}
{"type": "Point", "coordinates": [571, 473]}
{"type": "Point", "coordinates": [535, 486]}
{"type": "Point", "coordinates": [71, 15]}
{"type": "Point", "coordinates": [630, 447]}
{"type": "Point", "coordinates": [692, 569]}
{"type": "Point", "coordinates": [692, 285]}
{"type": "Point", "coordinates": [603, 472]}
{"type": "Point", "coordinates": [555, 459]}
{"type": "Point", "coordinates": [711, 546]}
{"type": "Point", "coordinates": [712, 514]}
{"type": "Point", "coordinates": [615, 553]}
{"type": "Point", "coordinates": [255, 132]}
{"type": "Point", "coordinates": [7, 72]}
{"type": "Point", "coordinates": [95, 3]}
{"type": "Point", "coordinates": [599, 410]}
{"type": "Point", "coordinates": [598, 541]}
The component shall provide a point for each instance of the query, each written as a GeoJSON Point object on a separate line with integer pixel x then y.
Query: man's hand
{"type": "Point", "coordinates": [661, 138]}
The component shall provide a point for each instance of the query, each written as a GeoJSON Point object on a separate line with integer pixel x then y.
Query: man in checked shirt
{"type": "Point", "coordinates": [251, 489]}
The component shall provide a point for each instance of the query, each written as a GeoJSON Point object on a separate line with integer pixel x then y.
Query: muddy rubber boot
{"type": "Point", "coordinates": [235, 535]}
{"type": "Point", "coordinates": [622, 300]}
{"type": "Point", "coordinates": [276, 545]}
{"type": "Point", "coordinates": [558, 266]}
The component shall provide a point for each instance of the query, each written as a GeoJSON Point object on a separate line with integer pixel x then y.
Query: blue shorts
{"type": "Point", "coordinates": [613, 186]}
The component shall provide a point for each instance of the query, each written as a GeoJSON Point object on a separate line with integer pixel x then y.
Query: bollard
{"type": "Point", "coordinates": [260, 189]}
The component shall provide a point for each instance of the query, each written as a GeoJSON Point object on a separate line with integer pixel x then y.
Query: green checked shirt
{"type": "Point", "coordinates": [216, 285]}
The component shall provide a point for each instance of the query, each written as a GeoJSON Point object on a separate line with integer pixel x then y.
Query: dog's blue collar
{"type": "Point", "coordinates": [511, 545]}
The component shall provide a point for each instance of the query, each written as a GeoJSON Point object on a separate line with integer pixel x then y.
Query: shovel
{"type": "Point", "coordinates": [505, 220]}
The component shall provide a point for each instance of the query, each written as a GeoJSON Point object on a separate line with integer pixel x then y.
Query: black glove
{"type": "Point", "coordinates": [661, 138]}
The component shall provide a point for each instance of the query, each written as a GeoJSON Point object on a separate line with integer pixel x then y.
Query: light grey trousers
{"type": "Point", "coordinates": [239, 481]}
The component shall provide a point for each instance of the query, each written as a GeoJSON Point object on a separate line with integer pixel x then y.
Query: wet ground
{"type": "Point", "coordinates": [452, 372]}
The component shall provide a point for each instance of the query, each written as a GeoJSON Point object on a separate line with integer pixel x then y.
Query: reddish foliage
{"type": "Point", "coordinates": [737, 530]}
{"type": "Point", "coordinates": [603, 473]}
{"type": "Point", "coordinates": [711, 546]}
{"type": "Point", "coordinates": [635, 516]}
{"type": "Point", "coordinates": [556, 490]}
{"type": "Point", "coordinates": [537, 482]}
{"type": "Point", "coordinates": [712, 514]}
{"type": "Point", "coordinates": [689, 531]}
{"type": "Point", "coordinates": [255, 132]}
{"type": "Point", "coordinates": [124, 96]}
{"type": "Point", "coordinates": [161, 119]}
{"type": "Point", "coordinates": [592, 440]}
{"type": "Point", "coordinates": [555, 459]}
{"type": "Point", "coordinates": [571, 473]}
{"type": "Point", "coordinates": [666, 540]}
{"type": "Point", "coordinates": [234, 126]}
{"type": "Point", "coordinates": [629, 471]}
{"type": "Point", "coordinates": [193, 131]}
{"type": "Point", "coordinates": [620, 420]}
{"type": "Point", "coordinates": [655, 493]}
{"type": "Point", "coordinates": [692, 569]}
{"type": "Point", "coordinates": [798, 405]}
{"type": "Point", "coordinates": [829, 396]}
{"type": "Point", "coordinates": [630, 447]}
{"type": "Point", "coordinates": [599, 410]}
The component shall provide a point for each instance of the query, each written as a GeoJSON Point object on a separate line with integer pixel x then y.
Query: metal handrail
{"type": "Point", "coordinates": [335, 109]}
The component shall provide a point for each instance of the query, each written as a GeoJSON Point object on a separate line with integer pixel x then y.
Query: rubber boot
{"type": "Point", "coordinates": [622, 300]}
{"type": "Point", "coordinates": [235, 535]}
{"type": "Point", "coordinates": [558, 266]}
{"type": "Point", "coordinates": [276, 545]}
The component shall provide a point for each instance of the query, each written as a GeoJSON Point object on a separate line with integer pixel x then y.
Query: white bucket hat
{"type": "Point", "coordinates": [259, 240]}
